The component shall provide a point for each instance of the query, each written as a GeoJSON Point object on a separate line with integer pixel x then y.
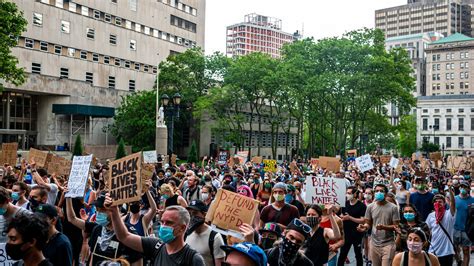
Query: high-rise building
{"type": "Point", "coordinates": [420, 16]}
{"type": "Point", "coordinates": [257, 34]}
{"type": "Point", "coordinates": [82, 56]}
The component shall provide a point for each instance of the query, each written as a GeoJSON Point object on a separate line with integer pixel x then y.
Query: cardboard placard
{"type": "Point", "coordinates": [125, 179]}
{"type": "Point", "coordinates": [325, 190]}
{"type": "Point", "coordinates": [394, 162]}
{"type": "Point", "coordinates": [174, 157]}
{"type": "Point", "coordinates": [150, 157]}
{"type": "Point", "coordinates": [222, 158]}
{"type": "Point", "coordinates": [334, 166]}
{"type": "Point", "coordinates": [229, 210]}
{"type": "Point", "coordinates": [293, 167]}
{"type": "Point", "coordinates": [59, 165]}
{"type": "Point", "coordinates": [416, 156]}
{"type": "Point", "coordinates": [352, 152]}
{"type": "Point", "coordinates": [78, 176]}
{"type": "Point", "coordinates": [9, 153]}
{"type": "Point", "coordinates": [385, 159]}
{"type": "Point", "coordinates": [364, 163]}
{"type": "Point", "coordinates": [38, 156]}
{"type": "Point", "coordinates": [460, 163]}
{"type": "Point", "coordinates": [435, 156]}
{"type": "Point", "coordinates": [330, 163]}
{"type": "Point", "coordinates": [257, 159]}
{"type": "Point", "coordinates": [235, 160]}
{"type": "Point", "coordinates": [242, 155]}
{"type": "Point", "coordinates": [270, 166]}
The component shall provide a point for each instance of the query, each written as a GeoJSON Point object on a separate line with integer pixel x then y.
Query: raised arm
{"type": "Point", "coordinates": [335, 233]}
{"type": "Point", "coordinates": [452, 202]}
{"type": "Point", "coordinates": [71, 216]}
{"type": "Point", "coordinates": [152, 211]}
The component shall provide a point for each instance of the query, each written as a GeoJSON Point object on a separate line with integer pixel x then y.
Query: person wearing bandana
{"type": "Point", "coordinates": [441, 223]}
{"type": "Point", "coordinates": [286, 252]}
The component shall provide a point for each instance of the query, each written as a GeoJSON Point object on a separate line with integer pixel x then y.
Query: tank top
{"type": "Point", "coordinates": [172, 201]}
{"type": "Point", "coordinates": [327, 224]}
{"type": "Point", "coordinates": [255, 190]}
{"type": "Point", "coordinates": [401, 197]}
{"type": "Point", "coordinates": [404, 261]}
{"type": "Point", "coordinates": [316, 248]}
{"type": "Point", "coordinates": [138, 227]}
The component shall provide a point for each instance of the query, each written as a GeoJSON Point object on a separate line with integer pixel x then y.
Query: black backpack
{"type": "Point", "coordinates": [212, 236]}
{"type": "Point", "coordinates": [470, 222]}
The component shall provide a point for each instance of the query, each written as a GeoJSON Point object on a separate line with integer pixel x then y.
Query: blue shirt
{"type": "Point", "coordinates": [423, 203]}
{"type": "Point", "coordinates": [462, 207]}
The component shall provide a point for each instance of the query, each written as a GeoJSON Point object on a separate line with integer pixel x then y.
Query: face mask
{"type": "Point", "coordinates": [288, 198]}
{"type": "Point", "coordinates": [15, 196]}
{"type": "Point", "coordinates": [288, 251]}
{"type": "Point", "coordinates": [421, 187]}
{"type": "Point", "coordinates": [463, 191]}
{"type": "Point", "coordinates": [195, 222]}
{"type": "Point", "coordinates": [455, 181]}
{"type": "Point", "coordinates": [399, 186]}
{"type": "Point", "coordinates": [205, 196]}
{"type": "Point", "coordinates": [165, 196]}
{"type": "Point", "coordinates": [268, 185]}
{"type": "Point", "coordinates": [101, 219]}
{"type": "Point", "coordinates": [278, 197]}
{"type": "Point", "coordinates": [409, 216]}
{"type": "Point", "coordinates": [312, 221]}
{"type": "Point", "coordinates": [256, 181]}
{"type": "Point", "coordinates": [3, 211]}
{"type": "Point", "coordinates": [368, 196]}
{"type": "Point", "coordinates": [14, 251]}
{"type": "Point", "coordinates": [166, 234]}
{"type": "Point", "coordinates": [439, 211]}
{"type": "Point", "coordinates": [349, 197]}
{"type": "Point", "coordinates": [134, 208]}
{"type": "Point", "coordinates": [415, 247]}
{"type": "Point", "coordinates": [267, 243]}
{"type": "Point", "coordinates": [434, 191]}
{"type": "Point", "coordinates": [379, 196]}
{"type": "Point", "coordinates": [33, 204]}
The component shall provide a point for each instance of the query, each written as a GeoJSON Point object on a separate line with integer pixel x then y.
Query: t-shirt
{"type": "Point", "coordinates": [385, 214]}
{"type": "Point", "coordinates": [440, 244]}
{"type": "Point", "coordinates": [52, 193]}
{"type": "Point", "coordinates": [200, 243]}
{"type": "Point", "coordinates": [153, 248]}
{"type": "Point", "coordinates": [283, 216]}
{"type": "Point", "coordinates": [5, 222]}
{"type": "Point", "coordinates": [462, 208]}
{"type": "Point", "coordinates": [423, 203]}
{"type": "Point", "coordinates": [357, 211]}
{"type": "Point", "coordinates": [58, 250]}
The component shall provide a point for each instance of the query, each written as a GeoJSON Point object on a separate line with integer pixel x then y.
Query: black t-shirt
{"type": "Point", "coordinates": [357, 211]}
{"type": "Point", "coordinates": [113, 250]}
{"type": "Point", "coordinates": [300, 207]}
{"type": "Point", "coordinates": [153, 248]}
{"type": "Point", "coordinates": [58, 250]}
{"type": "Point", "coordinates": [73, 233]}
{"type": "Point", "coordinates": [274, 253]}
{"type": "Point", "coordinates": [45, 263]}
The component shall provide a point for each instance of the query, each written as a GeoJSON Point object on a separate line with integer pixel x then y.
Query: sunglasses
{"type": "Point", "coordinates": [302, 225]}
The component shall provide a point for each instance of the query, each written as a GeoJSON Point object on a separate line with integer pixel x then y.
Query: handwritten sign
{"type": "Point", "coordinates": [435, 156]}
{"type": "Point", "coordinates": [59, 165]}
{"type": "Point", "coordinates": [460, 163]}
{"type": "Point", "coordinates": [257, 159]}
{"type": "Point", "coordinates": [222, 158]}
{"type": "Point", "coordinates": [394, 162]}
{"type": "Point", "coordinates": [5, 260]}
{"type": "Point", "coordinates": [125, 179]}
{"type": "Point", "coordinates": [78, 176]}
{"type": "Point", "coordinates": [38, 156]}
{"type": "Point", "coordinates": [229, 210]}
{"type": "Point", "coordinates": [150, 157]}
{"type": "Point", "coordinates": [9, 151]}
{"type": "Point", "coordinates": [364, 163]}
{"type": "Point", "coordinates": [352, 152]}
{"type": "Point", "coordinates": [270, 166]}
{"type": "Point", "coordinates": [242, 155]}
{"type": "Point", "coordinates": [330, 163]}
{"type": "Point", "coordinates": [385, 159]}
{"type": "Point", "coordinates": [325, 190]}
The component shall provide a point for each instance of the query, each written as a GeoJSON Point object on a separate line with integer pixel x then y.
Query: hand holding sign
{"type": "Point", "coordinates": [125, 179]}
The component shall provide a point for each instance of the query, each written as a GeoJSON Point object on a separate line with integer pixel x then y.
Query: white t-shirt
{"type": "Point", "coordinates": [52, 193]}
{"type": "Point", "coordinates": [440, 244]}
{"type": "Point", "coordinates": [200, 243]}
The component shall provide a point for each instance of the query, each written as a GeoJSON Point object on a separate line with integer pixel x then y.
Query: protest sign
{"type": "Point", "coordinates": [150, 157]}
{"type": "Point", "coordinates": [222, 158]}
{"type": "Point", "coordinates": [325, 190]}
{"type": "Point", "coordinates": [460, 163]}
{"type": "Point", "coordinates": [38, 156]}
{"type": "Point", "coordinates": [147, 173]}
{"type": "Point", "coordinates": [330, 163]}
{"type": "Point", "coordinates": [235, 160]}
{"type": "Point", "coordinates": [385, 159]}
{"type": "Point", "coordinates": [351, 152]}
{"type": "Point", "coordinates": [78, 176]}
{"type": "Point", "coordinates": [229, 210]}
{"type": "Point", "coordinates": [257, 159]}
{"type": "Point", "coordinates": [435, 156]}
{"type": "Point", "coordinates": [174, 157]}
{"type": "Point", "coordinates": [364, 163]}
{"type": "Point", "coordinates": [49, 156]}
{"type": "Point", "coordinates": [394, 162]}
{"type": "Point", "coordinates": [59, 165]}
{"type": "Point", "coordinates": [125, 179]}
{"type": "Point", "coordinates": [416, 156]}
{"type": "Point", "coordinates": [270, 166]}
{"type": "Point", "coordinates": [242, 155]}
{"type": "Point", "coordinates": [5, 260]}
{"type": "Point", "coordinates": [9, 153]}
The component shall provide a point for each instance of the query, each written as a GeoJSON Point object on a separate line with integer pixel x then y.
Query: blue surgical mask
{"type": "Point", "coordinates": [288, 198]}
{"type": "Point", "coordinates": [434, 191]}
{"type": "Point", "coordinates": [409, 216]}
{"type": "Point", "coordinates": [3, 211]}
{"type": "Point", "coordinates": [379, 196]}
{"type": "Point", "coordinates": [463, 191]}
{"type": "Point", "coordinates": [15, 196]}
{"type": "Point", "coordinates": [166, 234]}
{"type": "Point", "coordinates": [101, 219]}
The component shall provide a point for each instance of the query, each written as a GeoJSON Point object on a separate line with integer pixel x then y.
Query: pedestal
{"type": "Point", "coordinates": [161, 141]}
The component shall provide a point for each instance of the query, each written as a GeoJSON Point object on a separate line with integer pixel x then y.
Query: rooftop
{"type": "Point", "coordinates": [457, 37]}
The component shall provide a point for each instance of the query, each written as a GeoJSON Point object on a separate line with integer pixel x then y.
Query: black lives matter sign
{"type": "Point", "coordinates": [125, 180]}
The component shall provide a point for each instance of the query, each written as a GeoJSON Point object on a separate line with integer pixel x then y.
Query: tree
{"type": "Point", "coordinates": [193, 156]}
{"type": "Point", "coordinates": [13, 24]}
{"type": "Point", "coordinates": [120, 150]}
{"type": "Point", "coordinates": [407, 135]}
{"type": "Point", "coordinates": [428, 147]}
{"type": "Point", "coordinates": [78, 149]}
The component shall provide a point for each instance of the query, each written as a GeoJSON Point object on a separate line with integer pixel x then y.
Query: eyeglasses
{"type": "Point", "coordinates": [302, 225]}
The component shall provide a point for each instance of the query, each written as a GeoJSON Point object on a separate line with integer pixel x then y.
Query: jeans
{"type": "Point", "coordinates": [333, 261]}
{"type": "Point", "coordinates": [350, 241]}
{"type": "Point", "coordinates": [382, 255]}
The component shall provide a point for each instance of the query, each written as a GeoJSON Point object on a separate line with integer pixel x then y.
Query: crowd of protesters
{"type": "Point", "coordinates": [405, 216]}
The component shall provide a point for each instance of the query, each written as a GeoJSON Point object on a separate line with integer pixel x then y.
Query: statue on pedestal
{"type": "Point", "coordinates": [160, 120]}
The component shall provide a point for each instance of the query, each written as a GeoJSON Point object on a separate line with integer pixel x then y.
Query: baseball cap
{"type": "Point", "coordinates": [48, 210]}
{"type": "Point", "coordinates": [291, 187]}
{"type": "Point", "coordinates": [271, 227]}
{"type": "Point", "coordinates": [465, 183]}
{"type": "Point", "coordinates": [252, 251]}
{"type": "Point", "coordinates": [198, 205]}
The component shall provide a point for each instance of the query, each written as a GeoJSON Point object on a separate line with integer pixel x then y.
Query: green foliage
{"type": "Point", "coordinates": [193, 156]}
{"type": "Point", "coordinates": [428, 147]}
{"type": "Point", "coordinates": [120, 150]}
{"type": "Point", "coordinates": [407, 135]}
{"type": "Point", "coordinates": [78, 149]}
{"type": "Point", "coordinates": [13, 24]}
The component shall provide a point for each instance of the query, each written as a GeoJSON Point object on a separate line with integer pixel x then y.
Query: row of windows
{"type": "Point", "coordinates": [180, 6]}
{"type": "Point", "coordinates": [462, 85]}
{"type": "Point", "coordinates": [265, 138]}
{"type": "Point", "coordinates": [450, 56]}
{"type": "Point", "coordinates": [182, 23]}
{"type": "Point", "coordinates": [448, 143]}
{"type": "Point", "coordinates": [448, 110]}
{"type": "Point", "coordinates": [448, 124]}
{"type": "Point", "coordinates": [87, 55]}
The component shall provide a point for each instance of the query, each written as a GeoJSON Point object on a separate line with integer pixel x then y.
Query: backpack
{"type": "Point", "coordinates": [470, 222]}
{"type": "Point", "coordinates": [210, 243]}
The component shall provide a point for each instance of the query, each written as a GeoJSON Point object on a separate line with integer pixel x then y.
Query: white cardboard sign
{"type": "Point", "coordinates": [150, 157]}
{"type": "Point", "coordinates": [325, 190]}
{"type": "Point", "coordinates": [364, 163]}
{"type": "Point", "coordinates": [78, 176]}
{"type": "Point", "coordinates": [394, 162]}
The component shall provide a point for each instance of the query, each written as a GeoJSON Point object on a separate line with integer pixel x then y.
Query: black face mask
{"type": "Point", "coordinates": [33, 203]}
{"type": "Point", "coordinates": [288, 251]}
{"type": "Point", "coordinates": [14, 251]}
{"type": "Point", "coordinates": [134, 208]}
{"type": "Point", "coordinates": [194, 223]}
{"type": "Point", "coordinates": [312, 221]}
{"type": "Point", "coordinates": [267, 243]}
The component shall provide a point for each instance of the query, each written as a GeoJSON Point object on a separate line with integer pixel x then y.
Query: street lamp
{"type": "Point", "coordinates": [171, 111]}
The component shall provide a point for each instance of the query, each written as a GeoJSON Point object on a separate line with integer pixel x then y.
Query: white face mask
{"type": "Point", "coordinates": [367, 196]}
{"type": "Point", "coordinates": [205, 196]}
{"type": "Point", "coordinates": [349, 197]}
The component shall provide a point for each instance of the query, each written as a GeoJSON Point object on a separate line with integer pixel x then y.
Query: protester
{"type": "Point", "coordinates": [7, 212]}
{"type": "Point", "coordinates": [415, 255]}
{"type": "Point", "coordinates": [270, 233]}
{"type": "Point", "coordinates": [137, 222]}
{"type": "Point", "coordinates": [19, 194]}
{"type": "Point", "coordinates": [171, 198]}
{"type": "Point", "coordinates": [193, 190]}
{"type": "Point", "coordinates": [245, 253]}
{"type": "Point", "coordinates": [422, 198]}
{"type": "Point", "coordinates": [461, 239]}
{"type": "Point", "coordinates": [409, 219]}
{"type": "Point", "coordinates": [291, 198]}
{"type": "Point", "coordinates": [279, 212]}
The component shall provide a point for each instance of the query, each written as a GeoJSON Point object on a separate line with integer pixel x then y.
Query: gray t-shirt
{"type": "Point", "coordinates": [152, 247]}
{"type": "Point", "coordinates": [386, 214]}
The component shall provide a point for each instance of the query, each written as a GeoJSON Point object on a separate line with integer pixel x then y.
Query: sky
{"type": "Point", "coordinates": [315, 18]}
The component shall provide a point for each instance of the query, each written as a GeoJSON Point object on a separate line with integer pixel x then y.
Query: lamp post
{"type": "Point", "coordinates": [171, 111]}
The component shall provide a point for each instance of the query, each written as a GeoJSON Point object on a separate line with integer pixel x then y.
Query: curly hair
{"type": "Point", "coordinates": [31, 226]}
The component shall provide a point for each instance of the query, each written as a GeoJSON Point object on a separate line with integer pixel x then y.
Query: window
{"type": "Point", "coordinates": [452, 75]}
{"type": "Point", "coordinates": [461, 110]}
{"type": "Point", "coordinates": [107, 18]}
{"type": "Point", "coordinates": [447, 76]}
{"type": "Point", "coordinates": [118, 21]}
{"type": "Point", "coordinates": [90, 33]}
{"type": "Point", "coordinates": [425, 124]}
{"type": "Point", "coordinates": [57, 49]}
{"type": "Point", "coordinates": [65, 26]}
{"type": "Point", "coordinates": [461, 142]}
{"type": "Point", "coordinates": [155, 70]}
{"type": "Point", "coordinates": [472, 142]}
{"type": "Point", "coordinates": [472, 123]}
{"type": "Point", "coordinates": [155, 33]}
{"type": "Point", "coordinates": [38, 19]}
{"type": "Point", "coordinates": [461, 65]}
{"type": "Point", "coordinates": [461, 85]}
{"type": "Point", "coordinates": [448, 110]}
{"type": "Point", "coordinates": [145, 68]}
{"type": "Point", "coordinates": [111, 82]}
{"type": "Point", "coordinates": [466, 85]}
{"type": "Point", "coordinates": [138, 27]}
{"type": "Point", "coordinates": [106, 60]}
{"type": "Point", "coordinates": [127, 64]}
{"type": "Point", "coordinates": [466, 75]}
{"type": "Point", "coordinates": [44, 46]}
{"type": "Point", "coordinates": [137, 66]}
{"type": "Point", "coordinates": [466, 65]}
{"type": "Point", "coordinates": [147, 30]}
{"type": "Point", "coordinates": [90, 78]}
{"type": "Point", "coordinates": [436, 124]}
{"type": "Point", "coordinates": [448, 124]}
{"type": "Point", "coordinates": [128, 24]}
{"type": "Point", "coordinates": [64, 73]}
{"type": "Point", "coordinates": [448, 66]}
{"type": "Point", "coordinates": [36, 68]}
{"type": "Point", "coordinates": [85, 11]}
{"type": "Point", "coordinates": [29, 43]}
{"type": "Point", "coordinates": [113, 39]}
{"type": "Point", "coordinates": [133, 45]}
{"type": "Point", "coordinates": [452, 86]}
{"type": "Point", "coordinates": [436, 110]}
{"type": "Point", "coordinates": [461, 124]}
{"type": "Point", "coordinates": [96, 14]}
{"type": "Point", "coordinates": [436, 140]}
{"type": "Point", "coordinates": [133, 5]}
{"type": "Point", "coordinates": [117, 61]}
{"type": "Point", "coordinates": [72, 7]}
{"type": "Point", "coordinates": [71, 52]}
{"type": "Point", "coordinates": [461, 75]}
{"type": "Point", "coordinates": [95, 57]}
{"type": "Point", "coordinates": [59, 3]}
{"type": "Point", "coordinates": [131, 85]}
{"type": "Point", "coordinates": [448, 142]}
{"type": "Point", "coordinates": [84, 54]}
{"type": "Point", "coordinates": [114, 1]}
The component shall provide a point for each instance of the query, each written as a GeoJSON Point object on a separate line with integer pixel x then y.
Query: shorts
{"type": "Point", "coordinates": [461, 239]}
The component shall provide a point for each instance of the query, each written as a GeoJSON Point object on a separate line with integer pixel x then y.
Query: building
{"type": "Point", "coordinates": [420, 16]}
{"type": "Point", "coordinates": [82, 56]}
{"type": "Point", "coordinates": [257, 34]}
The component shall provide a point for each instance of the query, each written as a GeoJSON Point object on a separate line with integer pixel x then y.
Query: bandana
{"type": "Point", "coordinates": [439, 211]}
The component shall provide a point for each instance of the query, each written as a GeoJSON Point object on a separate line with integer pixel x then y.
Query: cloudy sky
{"type": "Point", "coordinates": [318, 18]}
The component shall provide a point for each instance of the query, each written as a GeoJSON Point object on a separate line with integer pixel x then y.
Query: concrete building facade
{"type": "Point", "coordinates": [82, 56]}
